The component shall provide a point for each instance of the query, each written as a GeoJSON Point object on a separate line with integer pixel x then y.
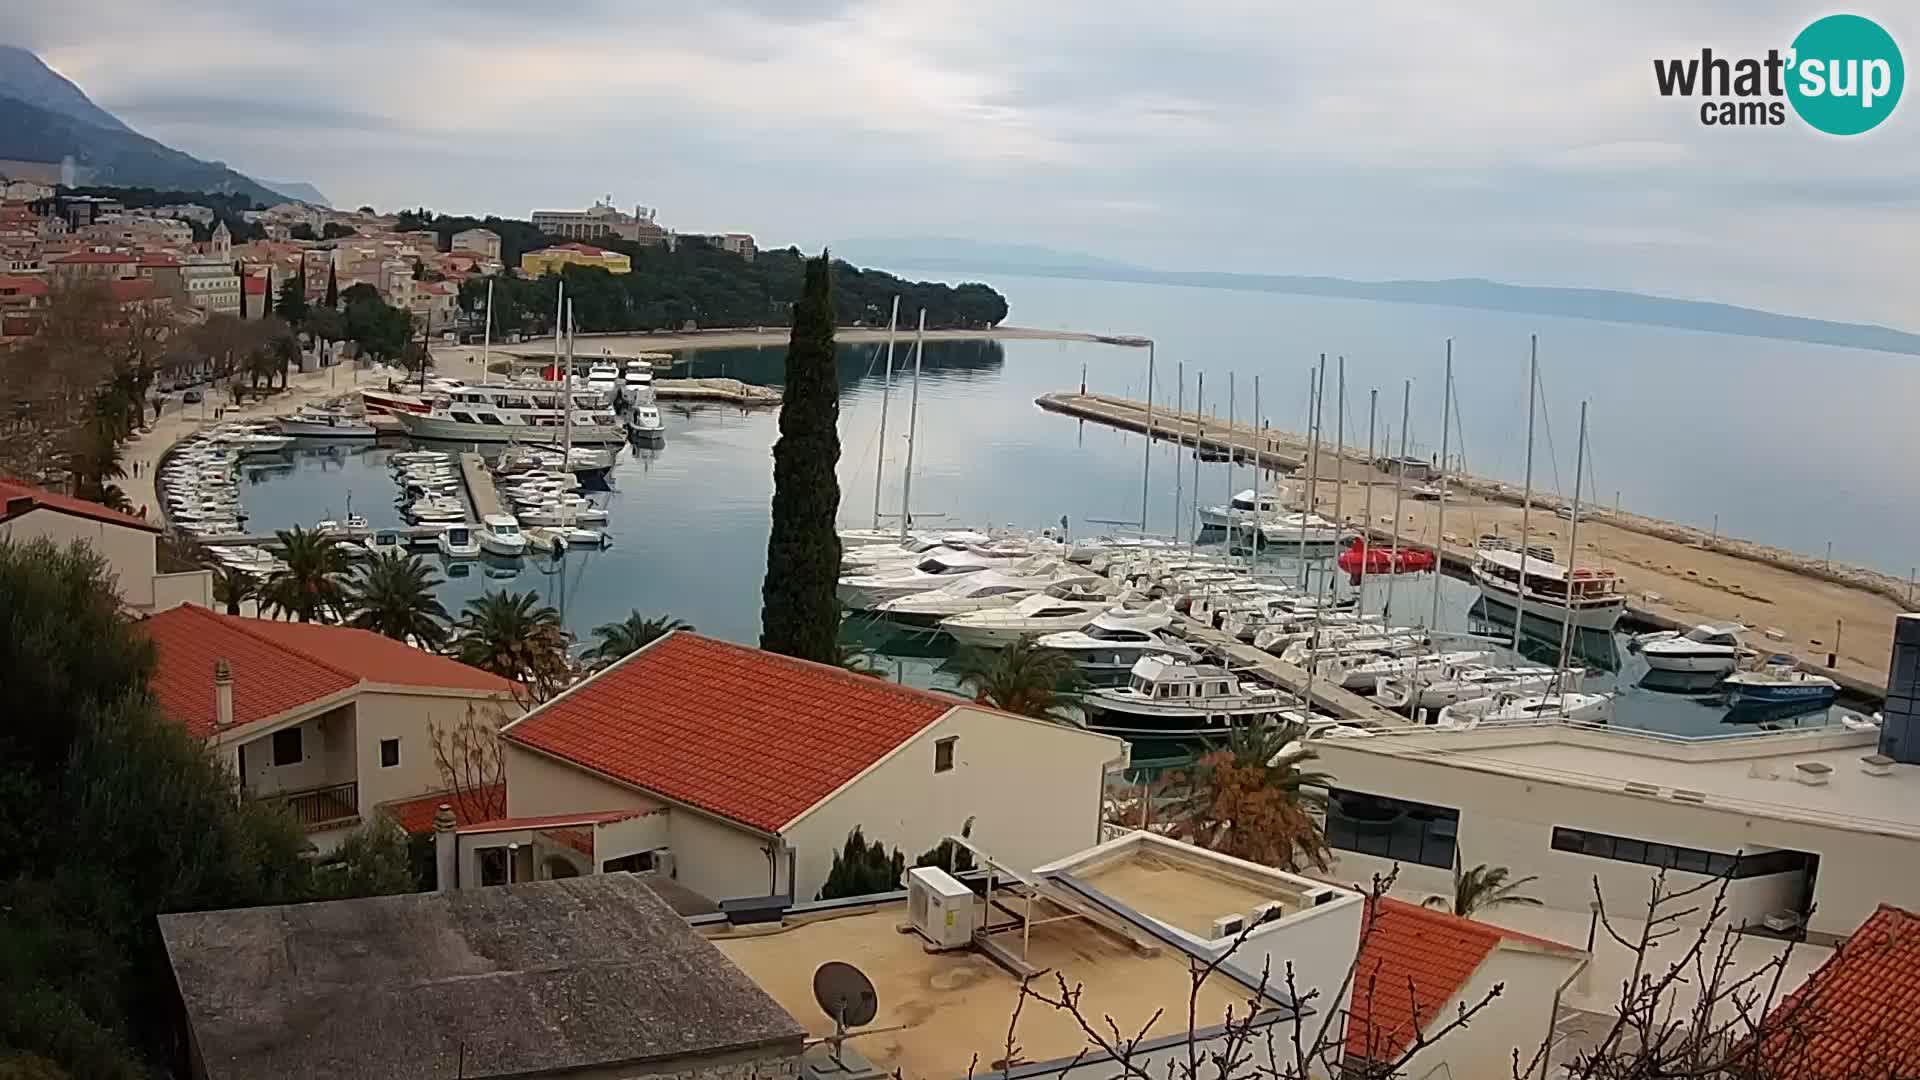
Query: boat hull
{"type": "Point", "coordinates": [1689, 663]}
{"type": "Point", "coordinates": [1591, 616]}
{"type": "Point", "coordinates": [435, 427]}
{"type": "Point", "coordinates": [303, 429]}
{"type": "Point", "coordinates": [1767, 694]}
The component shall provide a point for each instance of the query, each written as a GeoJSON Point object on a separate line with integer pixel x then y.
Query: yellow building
{"type": "Point", "coordinates": [553, 259]}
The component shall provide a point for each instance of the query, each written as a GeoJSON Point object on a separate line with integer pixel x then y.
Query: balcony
{"type": "Point", "coordinates": [322, 807]}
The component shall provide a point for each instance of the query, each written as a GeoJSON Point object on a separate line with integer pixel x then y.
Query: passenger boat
{"type": "Point", "coordinates": [1552, 591]}
{"type": "Point", "coordinates": [515, 412]}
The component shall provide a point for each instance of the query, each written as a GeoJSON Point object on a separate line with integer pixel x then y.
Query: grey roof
{"type": "Point", "coordinates": [513, 980]}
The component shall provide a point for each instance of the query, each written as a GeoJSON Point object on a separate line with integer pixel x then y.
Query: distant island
{"type": "Point", "coordinates": [1606, 305]}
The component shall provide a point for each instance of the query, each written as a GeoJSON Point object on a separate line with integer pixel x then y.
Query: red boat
{"type": "Point", "coordinates": [1383, 560]}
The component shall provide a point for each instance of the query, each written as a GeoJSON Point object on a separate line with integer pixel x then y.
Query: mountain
{"type": "Point", "coordinates": [301, 190]}
{"type": "Point", "coordinates": [1605, 305]}
{"type": "Point", "coordinates": [951, 253]}
{"type": "Point", "coordinates": [24, 77]}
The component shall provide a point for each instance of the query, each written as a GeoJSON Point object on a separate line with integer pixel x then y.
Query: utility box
{"type": "Point", "coordinates": [940, 909]}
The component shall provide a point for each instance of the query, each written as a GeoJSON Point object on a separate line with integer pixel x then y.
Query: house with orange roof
{"type": "Point", "coordinates": [129, 544]}
{"type": "Point", "coordinates": [332, 721]}
{"type": "Point", "coordinates": [1854, 1017]}
{"type": "Point", "coordinates": [750, 768]}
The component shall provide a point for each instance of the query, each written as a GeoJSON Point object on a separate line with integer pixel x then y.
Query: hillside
{"type": "Point", "coordinates": [114, 156]}
{"type": "Point", "coordinates": [24, 77]}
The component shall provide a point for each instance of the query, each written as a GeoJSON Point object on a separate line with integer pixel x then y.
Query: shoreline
{"type": "Point", "coordinates": [541, 348]}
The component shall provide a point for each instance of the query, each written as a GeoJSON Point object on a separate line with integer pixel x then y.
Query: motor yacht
{"type": "Point", "coordinates": [644, 424]}
{"type": "Point", "coordinates": [458, 542]}
{"type": "Point", "coordinates": [1705, 648]}
{"type": "Point", "coordinates": [1176, 700]}
{"type": "Point", "coordinates": [384, 541]}
{"type": "Point", "coordinates": [976, 592]}
{"type": "Point", "coordinates": [1590, 708]}
{"type": "Point", "coordinates": [1045, 612]}
{"type": "Point", "coordinates": [500, 535]}
{"type": "Point", "coordinates": [864, 592]}
{"type": "Point", "coordinates": [1243, 508]}
{"type": "Point", "coordinates": [1115, 640]}
{"type": "Point", "coordinates": [1311, 529]}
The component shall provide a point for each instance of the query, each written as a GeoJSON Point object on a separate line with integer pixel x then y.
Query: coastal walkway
{"type": "Point", "coordinates": [482, 499]}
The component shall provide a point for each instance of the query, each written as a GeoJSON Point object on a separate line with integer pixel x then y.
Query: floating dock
{"type": "Point", "coordinates": [724, 391]}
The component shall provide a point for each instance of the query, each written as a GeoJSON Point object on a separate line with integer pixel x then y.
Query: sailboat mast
{"type": "Point", "coordinates": [1339, 451]}
{"type": "Point", "coordinates": [1440, 518]}
{"type": "Point", "coordinates": [1179, 438]}
{"type": "Point", "coordinates": [566, 395]}
{"type": "Point", "coordinates": [1146, 462]}
{"type": "Point", "coordinates": [886, 392]}
{"type": "Point", "coordinates": [1399, 485]}
{"type": "Point", "coordinates": [1366, 525]}
{"type": "Point", "coordinates": [913, 424]}
{"type": "Point", "coordinates": [1315, 401]}
{"type": "Point", "coordinates": [1573, 552]}
{"type": "Point", "coordinates": [1259, 519]}
{"type": "Point", "coordinates": [1199, 404]}
{"type": "Point", "coordinates": [1232, 445]}
{"type": "Point", "coordinates": [1526, 496]}
{"type": "Point", "coordinates": [559, 327]}
{"type": "Point", "coordinates": [486, 331]}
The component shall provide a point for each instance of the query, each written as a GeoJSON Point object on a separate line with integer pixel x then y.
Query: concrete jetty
{"type": "Point", "coordinates": [1324, 694]}
{"type": "Point", "coordinates": [482, 499]}
{"type": "Point", "coordinates": [1272, 449]}
{"type": "Point", "coordinates": [725, 391]}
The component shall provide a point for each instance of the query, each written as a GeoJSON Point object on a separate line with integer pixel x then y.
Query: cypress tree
{"type": "Point", "coordinates": [268, 294]}
{"type": "Point", "coordinates": [800, 612]}
{"type": "Point", "coordinates": [241, 273]}
{"type": "Point", "coordinates": [333, 289]}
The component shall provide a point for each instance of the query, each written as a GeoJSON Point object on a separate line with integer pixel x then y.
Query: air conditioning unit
{"type": "Point", "coordinates": [940, 909]}
{"type": "Point", "coordinates": [663, 862]}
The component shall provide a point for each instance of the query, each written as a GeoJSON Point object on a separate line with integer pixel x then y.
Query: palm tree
{"type": "Point", "coordinates": [310, 586]}
{"type": "Point", "coordinates": [1481, 887]}
{"type": "Point", "coordinates": [618, 640]}
{"type": "Point", "coordinates": [1249, 797]}
{"type": "Point", "coordinates": [233, 587]}
{"type": "Point", "coordinates": [1021, 678]}
{"type": "Point", "coordinates": [392, 595]}
{"type": "Point", "coordinates": [516, 637]}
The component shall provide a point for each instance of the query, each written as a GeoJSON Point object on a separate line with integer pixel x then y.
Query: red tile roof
{"type": "Point", "coordinates": [279, 666]}
{"type": "Point", "coordinates": [79, 257]}
{"type": "Point", "coordinates": [1856, 1015]}
{"type": "Point", "coordinates": [131, 290]}
{"type": "Point", "coordinates": [41, 499]}
{"type": "Point", "coordinates": [584, 249]}
{"type": "Point", "coordinates": [1437, 951]}
{"type": "Point", "coordinates": [750, 736]}
{"type": "Point", "coordinates": [416, 815]}
{"type": "Point", "coordinates": [22, 286]}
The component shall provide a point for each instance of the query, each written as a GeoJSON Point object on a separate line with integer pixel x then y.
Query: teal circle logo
{"type": "Point", "coordinates": [1846, 75]}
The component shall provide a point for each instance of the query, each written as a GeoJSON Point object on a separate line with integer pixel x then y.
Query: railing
{"type": "Point", "coordinates": [315, 808]}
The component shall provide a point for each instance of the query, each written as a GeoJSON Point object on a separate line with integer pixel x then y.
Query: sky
{"type": "Point", "coordinates": [1518, 141]}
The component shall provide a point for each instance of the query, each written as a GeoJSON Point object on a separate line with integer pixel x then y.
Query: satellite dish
{"type": "Point", "coordinates": [845, 994]}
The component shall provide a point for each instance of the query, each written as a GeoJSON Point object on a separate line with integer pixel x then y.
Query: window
{"type": "Point", "coordinates": [389, 753]}
{"type": "Point", "coordinates": [638, 863]}
{"type": "Point", "coordinates": [1674, 857]}
{"type": "Point", "coordinates": [493, 866]}
{"type": "Point", "coordinates": [1391, 828]}
{"type": "Point", "coordinates": [943, 754]}
{"type": "Point", "coordinates": [287, 749]}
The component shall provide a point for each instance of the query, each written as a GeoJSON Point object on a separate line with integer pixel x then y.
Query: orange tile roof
{"type": "Point", "coordinates": [1436, 951]}
{"type": "Point", "coordinates": [1855, 1016]}
{"type": "Point", "coordinates": [42, 499]}
{"type": "Point", "coordinates": [11, 285]}
{"type": "Point", "coordinates": [94, 257]}
{"type": "Point", "coordinates": [131, 290]}
{"type": "Point", "coordinates": [279, 666]}
{"type": "Point", "coordinates": [747, 735]}
{"type": "Point", "coordinates": [416, 815]}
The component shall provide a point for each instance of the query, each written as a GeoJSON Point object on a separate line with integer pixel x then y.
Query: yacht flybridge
{"type": "Point", "coordinates": [1244, 507]}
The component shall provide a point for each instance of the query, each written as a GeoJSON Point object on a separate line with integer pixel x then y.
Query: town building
{"type": "Point", "coordinates": [130, 545]}
{"type": "Point", "coordinates": [24, 190]}
{"type": "Point", "coordinates": [186, 212]}
{"type": "Point", "coordinates": [554, 259]}
{"type": "Point", "coordinates": [602, 221]}
{"type": "Point", "coordinates": [483, 242]}
{"type": "Point", "coordinates": [1130, 921]}
{"type": "Point", "coordinates": [740, 244]}
{"type": "Point", "coordinates": [752, 768]}
{"type": "Point", "coordinates": [329, 721]}
{"type": "Point", "coordinates": [433, 304]}
{"type": "Point", "coordinates": [93, 264]}
{"type": "Point", "coordinates": [211, 285]}
{"type": "Point", "coordinates": [1813, 826]}
{"type": "Point", "coordinates": [589, 978]}
{"type": "Point", "coordinates": [163, 270]}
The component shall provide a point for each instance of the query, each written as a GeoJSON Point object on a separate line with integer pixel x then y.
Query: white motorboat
{"type": "Point", "coordinates": [458, 542]}
{"type": "Point", "coordinates": [1365, 640]}
{"type": "Point", "coordinates": [516, 412]}
{"type": "Point", "coordinates": [1169, 699]}
{"type": "Point", "coordinates": [637, 384]}
{"type": "Point", "coordinates": [864, 592]}
{"type": "Point", "coordinates": [385, 540]}
{"type": "Point", "coordinates": [1705, 648]}
{"type": "Point", "coordinates": [500, 535]}
{"type": "Point", "coordinates": [1442, 685]}
{"type": "Point", "coordinates": [1590, 708]}
{"type": "Point", "coordinates": [643, 423]}
{"type": "Point", "coordinates": [1115, 640]}
{"type": "Point", "coordinates": [355, 525]}
{"type": "Point", "coordinates": [1243, 508]}
{"type": "Point", "coordinates": [1352, 671]}
{"type": "Point", "coordinates": [1595, 602]}
{"type": "Point", "coordinates": [1041, 613]}
{"type": "Point", "coordinates": [250, 442]}
{"type": "Point", "coordinates": [1274, 628]}
{"type": "Point", "coordinates": [1780, 683]}
{"type": "Point", "coordinates": [1312, 529]}
{"type": "Point", "coordinates": [437, 510]}
{"type": "Point", "coordinates": [554, 512]}
{"type": "Point", "coordinates": [314, 423]}
{"type": "Point", "coordinates": [977, 592]}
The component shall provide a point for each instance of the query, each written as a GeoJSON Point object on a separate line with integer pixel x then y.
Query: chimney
{"type": "Point", "coordinates": [446, 851]}
{"type": "Point", "coordinates": [222, 695]}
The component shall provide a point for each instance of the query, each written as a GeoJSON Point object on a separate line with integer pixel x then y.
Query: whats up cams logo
{"type": "Point", "coordinates": [1842, 75]}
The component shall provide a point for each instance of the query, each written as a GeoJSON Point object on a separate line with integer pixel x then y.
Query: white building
{"type": "Point", "coordinates": [751, 768]}
{"type": "Point", "coordinates": [601, 221]}
{"type": "Point", "coordinates": [212, 286]}
{"type": "Point", "coordinates": [128, 544]}
{"type": "Point", "coordinates": [1812, 819]}
{"type": "Point", "coordinates": [479, 241]}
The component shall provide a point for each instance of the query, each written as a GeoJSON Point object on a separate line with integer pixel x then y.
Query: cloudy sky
{"type": "Point", "coordinates": [1519, 141]}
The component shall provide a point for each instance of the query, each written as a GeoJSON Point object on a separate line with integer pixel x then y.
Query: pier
{"type": "Point", "coordinates": [482, 499]}
{"type": "Point", "coordinates": [1324, 694]}
{"type": "Point", "coordinates": [724, 391]}
{"type": "Point", "coordinates": [1677, 575]}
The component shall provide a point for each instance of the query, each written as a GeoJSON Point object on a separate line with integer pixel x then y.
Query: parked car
{"type": "Point", "coordinates": [191, 397]}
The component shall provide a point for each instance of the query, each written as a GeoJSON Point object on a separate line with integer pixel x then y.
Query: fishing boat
{"type": "Point", "coordinates": [1538, 585]}
{"type": "Point", "coordinates": [1590, 708]}
{"type": "Point", "coordinates": [500, 535]}
{"type": "Point", "coordinates": [1439, 685]}
{"type": "Point", "coordinates": [1707, 648]}
{"type": "Point", "coordinates": [1168, 699]}
{"type": "Point", "coordinates": [1032, 616]}
{"type": "Point", "coordinates": [1779, 682]}
{"type": "Point", "coordinates": [458, 542]}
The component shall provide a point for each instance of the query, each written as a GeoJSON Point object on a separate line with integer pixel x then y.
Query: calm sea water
{"type": "Point", "coordinates": [689, 518]}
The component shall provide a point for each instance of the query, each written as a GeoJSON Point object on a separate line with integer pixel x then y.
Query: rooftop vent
{"type": "Point", "coordinates": [1227, 926]}
{"type": "Point", "coordinates": [1269, 912]}
{"type": "Point", "coordinates": [1812, 773]}
{"type": "Point", "coordinates": [1685, 795]}
{"type": "Point", "coordinates": [1877, 765]}
{"type": "Point", "coordinates": [1635, 787]}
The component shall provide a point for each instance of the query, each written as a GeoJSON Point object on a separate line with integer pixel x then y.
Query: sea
{"type": "Point", "coordinates": [1774, 441]}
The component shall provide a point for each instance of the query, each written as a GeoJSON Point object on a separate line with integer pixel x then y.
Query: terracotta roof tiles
{"type": "Point", "coordinates": [42, 499]}
{"type": "Point", "coordinates": [1855, 1016]}
{"type": "Point", "coordinates": [747, 735]}
{"type": "Point", "coordinates": [1437, 952]}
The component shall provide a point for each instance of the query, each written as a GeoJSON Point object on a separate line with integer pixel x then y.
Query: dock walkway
{"type": "Point", "coordinates": [482, 499]}
{"type": "Point", "coordinates": [1274, 449]}
{"type": "Point", "coordinates": [1333, 699]}
{"type": "Point", "coordinates": [729, 391]}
